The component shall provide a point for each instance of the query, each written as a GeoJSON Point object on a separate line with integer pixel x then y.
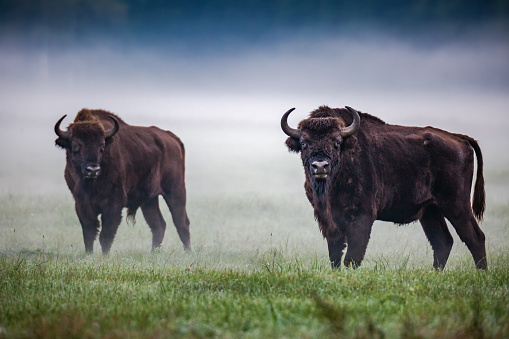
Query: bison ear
{"type": "Point", "coordinates": [62, 143]}
{"type": "Point", "coordinates": [108, 141]}
{"type": "Point", "coordinates": [349, 143]}
{"type": "Point", "coordinates": [293, 144]}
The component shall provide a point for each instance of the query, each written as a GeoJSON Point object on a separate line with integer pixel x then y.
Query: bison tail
{"type": "Point", "coordinates": [131, 216]}
{"type": "Point", "coordinates": [479, 200]}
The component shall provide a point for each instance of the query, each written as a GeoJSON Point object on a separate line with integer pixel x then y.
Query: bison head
{"type": "Point", "coordinates": [85, 142]}
{"type": "Point", "coordinates": [319, 140]}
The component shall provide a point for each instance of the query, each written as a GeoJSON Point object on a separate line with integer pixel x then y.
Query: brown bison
{"type": "Point", "coordinates": [360, 169]}
{"type": "Point", "coordinates": [112, 165]}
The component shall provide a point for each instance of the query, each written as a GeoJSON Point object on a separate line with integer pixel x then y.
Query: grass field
{"type": "Point", "coordinates": [260, 270]}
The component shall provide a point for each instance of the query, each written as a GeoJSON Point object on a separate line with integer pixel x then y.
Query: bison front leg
{"type": "Point", "coordinates": [89, 225]}
{"type": "Point", "coordinates": [110, 221]}
{"type": "Point", "coordinates": [89, 235]}
{"type": "Point", "coordinates": [336, 248]}
{"type": "Point", "coordinates": [357, 235]}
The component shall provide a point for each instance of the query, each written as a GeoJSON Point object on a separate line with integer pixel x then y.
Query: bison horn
{"type": "Point", "coordinates": [349, 130]}
{"type": "Point", "coordinates": [62, 134]}
{"type": "Point", "coordinates": [112, 131]}
{"type": "Point", "coordinates": [291, 132]}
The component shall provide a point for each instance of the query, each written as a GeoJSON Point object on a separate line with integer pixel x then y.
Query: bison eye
{"type": "Point", "coordinates": [337, 144]}
{"type": "Point", "coordinates": [75, 148]}
{"type": "Point", "coordinates": [102, 148]}
{"type": "Point", "coordinates": [303, 144]}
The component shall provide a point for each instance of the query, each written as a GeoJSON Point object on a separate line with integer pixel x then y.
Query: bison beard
{"type": "Point", "coordinates": [322, 208]}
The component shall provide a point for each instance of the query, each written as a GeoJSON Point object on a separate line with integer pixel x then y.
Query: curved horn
{"type": "Point", "coordinates": [62, 134]}
{"type": "Point", "coordinates": [112, 131]}
{"type": "Point", "coordinates": [349, 130]}
{"type": "Point", "coordinates": [291, 132]}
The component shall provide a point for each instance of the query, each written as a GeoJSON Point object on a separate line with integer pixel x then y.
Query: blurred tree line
{"type": "Point", "coordinates": [71, 21]}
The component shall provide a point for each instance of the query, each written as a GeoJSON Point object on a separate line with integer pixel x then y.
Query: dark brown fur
{"type": "Point", "coordinates": [137, 165]}
{"type": "Point", "coordinates": [392, 173]}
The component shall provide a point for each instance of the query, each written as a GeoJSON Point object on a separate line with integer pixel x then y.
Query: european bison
{"type": "Point", "coordinates": [360, 169]}
{"type": "Point", "coordinates": [112, 165]}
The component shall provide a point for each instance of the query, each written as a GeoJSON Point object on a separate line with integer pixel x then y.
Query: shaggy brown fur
{"type": "Point", "coordinates": [391, 173]}
{"type": "Point", "coordinates": [130, 169]}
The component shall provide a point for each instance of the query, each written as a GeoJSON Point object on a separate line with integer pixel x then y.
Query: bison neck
{"type": "Point", "coordinates": [96, 189]}
{"type": "Point", "coordinates": [90, 188]}
{"type": "Point", "coordinates": [322, 209]}
{"type": "Point", "coordinates": [343, 196]}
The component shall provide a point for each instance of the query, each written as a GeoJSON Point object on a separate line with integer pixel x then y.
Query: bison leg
{"type": "Point", "coordinates": [357, 235]}
{"type": "Point", "coordinates": [469, 232]}
{"type": "Point", "coordinates": [176, 202]}
{"type": "Point", "coordinates": [439, 237]}
{"type": "Point", "coordinates": [89, 235]}
{"type": "Point", "coordinates": [110, 222]}
{"type": "Point", "coordinates": [336, 248]}
{"type": "Point", "coordinates": [89, 225]}
{"type": "Point", "coordinates": [155, 221]}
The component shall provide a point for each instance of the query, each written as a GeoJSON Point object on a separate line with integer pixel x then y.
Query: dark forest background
{"type": "Point", "coordinates": [198, 25]}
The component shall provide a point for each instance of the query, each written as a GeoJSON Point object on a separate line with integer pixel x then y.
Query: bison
{"type": "Point", "coordinates": [360, 169]}
{"type": "Point", "coordinates": [112, 165]}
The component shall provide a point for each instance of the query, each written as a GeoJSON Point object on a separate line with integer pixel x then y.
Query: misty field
{"type": "Point", "coordinates": [259, 268]}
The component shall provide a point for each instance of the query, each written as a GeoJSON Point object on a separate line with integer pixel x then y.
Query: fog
{"type": "Point", "coordinates": [226, 106]}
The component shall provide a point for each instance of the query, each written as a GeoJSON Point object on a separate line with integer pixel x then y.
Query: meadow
{"type": "Point", "coordinates": [259, 268]}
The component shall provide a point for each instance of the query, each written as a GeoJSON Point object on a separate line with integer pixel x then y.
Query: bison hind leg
{"type": "Point", "coordinates": [155, 221]}
{"type": "Point", "coordinates": [470, 233]}
{"type": "Point", "coordinates": [176, 202]}
{"type": "Point", "coordinates": [435, 228]}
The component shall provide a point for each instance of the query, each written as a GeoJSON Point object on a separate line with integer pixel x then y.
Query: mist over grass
{"type": "Point", "coordinates": [226, 106]}
{"type": "Point", "coordinates": [257, 270]}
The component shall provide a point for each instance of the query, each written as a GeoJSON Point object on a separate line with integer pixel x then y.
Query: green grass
{"type": "Point", "coordinates": [47, 295]}
{"type": "Point", "coordinates": [259, 269]}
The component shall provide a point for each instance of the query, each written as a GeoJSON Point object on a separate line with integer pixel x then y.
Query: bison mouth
{"type": "Point", "coordinates": [321, 176]}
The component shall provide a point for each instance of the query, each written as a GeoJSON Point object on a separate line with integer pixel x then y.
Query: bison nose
{"type": "Point", "coordinates": [93, 171]}
{"type": "Point", "coordinates": [320, 168]}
